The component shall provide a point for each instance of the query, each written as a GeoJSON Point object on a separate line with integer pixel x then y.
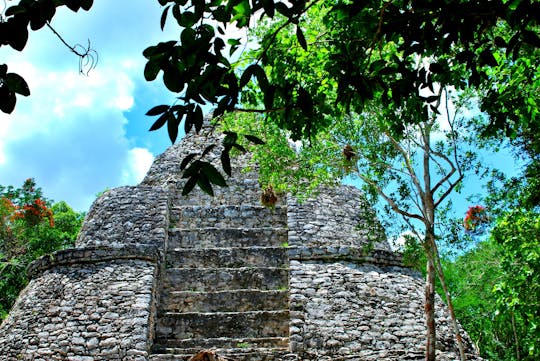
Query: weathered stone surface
{"type": "Point", "coordinates": [336, 217]}
{"type": "Point", "coordinates": [100, 311]}
{"type": "Point", "coordinates": [157, 276]}
{"type": "Point", "coordinates": [342, 309]}
{"type": "Point", "coordinates": [127, 216]}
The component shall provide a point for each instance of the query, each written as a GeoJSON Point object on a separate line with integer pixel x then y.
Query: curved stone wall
{"type": "Point", "coordinates": [127, 216]}
{"type": "Point", "coordinates": [84, 311]}
{"type": "Point", "coordinates": [335, 217]}
{"type": "Point", "coordinates": [371, 312]}
{"type": "Point", "coordinates": [314, 280]}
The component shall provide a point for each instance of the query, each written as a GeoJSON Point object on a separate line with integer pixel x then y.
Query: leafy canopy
{"type": "Point", "coordinates": [29, 228]}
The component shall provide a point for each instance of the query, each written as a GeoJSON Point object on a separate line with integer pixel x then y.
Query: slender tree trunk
{"type": "Point", "coordinates": [430, 311]}
{"type": "Point", "coordinates": [515, 335]}
{"type": "Point", "coordinates": [459, 339]}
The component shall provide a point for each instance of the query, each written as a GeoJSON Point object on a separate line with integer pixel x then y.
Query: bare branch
{"type": "Point", "coordinates": [450, 188]}
{"type": "Point", "coordinates": [88, 57]}
{"type": "Point", "coordinates": [408, 165]}
{"type": "Point", "coordinates": [389, 200]}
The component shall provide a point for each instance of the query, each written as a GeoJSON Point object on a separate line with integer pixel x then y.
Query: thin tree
{"type": "Point", "coordinates": [414, 170]}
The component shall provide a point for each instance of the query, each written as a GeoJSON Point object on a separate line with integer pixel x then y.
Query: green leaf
{"type": "Point", "coordinates": [151, 70]}
{"type": "Point", "coordinates": [172, 126]}
{"type": "Point", "coordinates": [269, 97]}
{"type": "Point", "coordinates": [269, 8]}
{"type": "Point", "coordinates": [40, 13]}
{"type": "Point", "coordinates": [253, 139]}
{"type": "Point", "coordinates": [430, 99]}
{"type": "Point", "coordinates": [159, 122]}
{"type": "Point", "coordinates": [16, 83]}
{"type": "Point", "coordinates": [193, 169]}
{"type": "Point", "coordinates": [19, 33]}
{"type": "Point", "coordinates": [158, 109]}
{"type": "Point", "coordinates": [207, 150]}
{"type": "Point", "coordinates": [239, 147]}
{"type": "Point", "coordinates": [205, 185]}
{"type": "Point", "coordinates": [188, 158]}
{"type": "Point", "coordinates": [172, 78]}
{"type": "Point", "coordinates": [213, 175]}
{"type": "Point", "coordinates": [73, 5]}
{"type": "Point", "coordinates": [86, 4]}
{"type": "Point", "coordinates": [305, 102]}
{"type": "Point", "coordinates": [487, 58]}
{"type": "Point", "coordinates": [246, 76]}
{"type": "Point", "coordinates": [190, 184]}
{"type": "Point", "coordinates": [7, 100]}
{"type": "Point", "coordinates": [163, 19]}
{"type": "Point", "coordinates": [260, 74]}
{"type": "Point", "coordinates": [187, 37]}
{"type": "Point", "coordinates": [282, 9]}
{"type": "Point", "coordinates": [531, 37]}
{"type": "Point", "coordinates": [234, 43]}
{"type": "Point", "coordinates": [226, 161]}
{"type": "Point", "coordinates": [301, 38]}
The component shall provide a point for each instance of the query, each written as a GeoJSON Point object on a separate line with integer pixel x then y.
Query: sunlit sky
{"type": "Point", "coordinates": [79, 135]}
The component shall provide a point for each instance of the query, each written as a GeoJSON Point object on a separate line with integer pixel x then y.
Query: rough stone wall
{"type": "Point", "coordinates": [364, 310]}
{"type": "Point", "coordinates": [350, 297]}
{"type": "Point", "coordinates": [336, 217]}
{"type": "Point", "coordinates": [127, 216]}
{"type": "Point", "coordinates": [83, 312]}
{"type": "Point", "coordinates": [96, 301]}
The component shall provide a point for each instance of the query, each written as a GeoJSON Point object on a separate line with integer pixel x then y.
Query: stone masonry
{"type": "Point", "coordinates": [159, 276]}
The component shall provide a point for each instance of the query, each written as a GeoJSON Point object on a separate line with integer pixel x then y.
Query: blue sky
{"type": "Point", "coordinates": [78, 135]}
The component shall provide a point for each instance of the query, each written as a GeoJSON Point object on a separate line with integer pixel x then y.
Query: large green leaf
{"type": "Point", "coordinates": [213, 175]}
{"type": "Point", "coordinates": [16, 83]}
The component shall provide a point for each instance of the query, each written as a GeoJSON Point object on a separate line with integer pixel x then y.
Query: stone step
{"type": "Point", "coordinates": [192, 345]}
{"type": "Point", "coordinates": [227, 237]}
{"type": "Point", "coordinates": [224, 301]}
{"type": "Point", "coordinates": [239, 191]}
{"type": "Point", "coordinates": [237, 354]}
{"type": "Point", "coordinates": [171, 326]}
{"type": "Point", "coordinates": [227, 257]}
{"type": "Point", "coordinates": [220, 279]}
{"type": "Point", "coordinates": [228, 216]}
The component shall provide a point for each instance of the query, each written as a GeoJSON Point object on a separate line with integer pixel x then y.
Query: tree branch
{"type": "Point", "coordinates": [88, 57]}
{"type": "Point", "coordinates": [389, 200]}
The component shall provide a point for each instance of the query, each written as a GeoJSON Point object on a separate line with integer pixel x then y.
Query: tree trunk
{"type": "Point", "coordinates": [515, 335]}
{"type": "Point", "coordinates": [450, 305]}
{"type": "Point", "coordinates": [430, 311]}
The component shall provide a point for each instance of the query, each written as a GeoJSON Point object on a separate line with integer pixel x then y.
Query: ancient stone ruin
{"type": "Point", "coordinates": [160, 276]}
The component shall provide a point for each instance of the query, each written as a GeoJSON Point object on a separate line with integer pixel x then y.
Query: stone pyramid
{"type": "Point", "coordinates": [159, 276]}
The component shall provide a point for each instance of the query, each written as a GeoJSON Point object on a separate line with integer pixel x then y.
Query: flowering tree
{"type": "Point", "coordinates": [474, 218]}
{"type": "Point", "coordinates": [29, 228]}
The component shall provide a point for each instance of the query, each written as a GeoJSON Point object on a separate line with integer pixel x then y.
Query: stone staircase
{"type": "Point", "coordinates": [226, 278]}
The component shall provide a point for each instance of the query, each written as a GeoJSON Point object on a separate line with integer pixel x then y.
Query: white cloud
{"type": "Point", "coordinates": [138, 162]}
{"type": "Point", "coordinates": [398, 244]}
{"type": "Point", "coordinates": [70, 134]}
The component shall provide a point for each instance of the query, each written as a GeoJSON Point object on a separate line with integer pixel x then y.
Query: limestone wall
{"type": "Point", "coordinates": [127, 216]}
{"type": "Point", "coordinates": [96, 301]}
{"type": "Point", "coordinates": [372, 312]}
{"type": "Point", "coordinates": [350, 297]}
{"type": "Point", "coordinates": [336, 217]}
{"type": "Point", "coordinates": [84, 312]}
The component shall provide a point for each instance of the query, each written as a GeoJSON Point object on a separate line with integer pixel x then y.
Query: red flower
{"type": "Point", "coordinates": [475, 216]}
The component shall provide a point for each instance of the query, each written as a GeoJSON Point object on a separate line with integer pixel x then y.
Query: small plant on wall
{"type": "Point", "coordinates": [269, 197]}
